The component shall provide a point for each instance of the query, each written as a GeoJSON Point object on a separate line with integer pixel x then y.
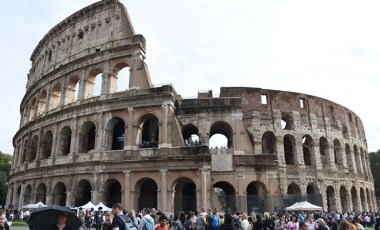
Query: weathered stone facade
{"type": "Point", "coordinates": [132, 146]}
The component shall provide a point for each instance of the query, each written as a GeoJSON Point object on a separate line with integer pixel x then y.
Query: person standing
{"type": "Point", "coordinates": [147, 222]}
{"type": "Point", "coordinates": [118, 222]}
{"type": "Point", "coordinates": [61, 222]}
{"type": "Point", "coordinates": [3, 223]}
{"type": "Point", "coordinates": [98, 217]}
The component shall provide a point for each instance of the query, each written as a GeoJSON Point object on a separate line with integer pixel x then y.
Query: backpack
{"type": "Point", "coordinates": [128, 224]}
{"type": "Point", "coordinates": [188, 224]}
{"type": "Point", "coordinates": [148, 225]}
{"type": "Point", "coordinates": [214, 221]}
{"type": "Point", "coordinates": [237, 222]}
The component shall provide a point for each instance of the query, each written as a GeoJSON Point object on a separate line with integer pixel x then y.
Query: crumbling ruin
{"type": "Point", "coordinates": [135, 144]}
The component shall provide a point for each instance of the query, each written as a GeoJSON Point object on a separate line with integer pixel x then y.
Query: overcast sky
{"type": "Point", "coordinates": [329, 49]}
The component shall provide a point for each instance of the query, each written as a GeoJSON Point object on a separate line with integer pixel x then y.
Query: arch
{"type": "Point", "coordinates": [27, 195]}
{"type": "Point", "coordinates": [287, 121]}
{"type": "Point", "coordinates": [369, 199]}
{"type": "Point", "coordinates": [224, 196]}
{"type": "Point", "coordinates": [324, 151]}
{"type": "Point", "coordinates": [184, 195]}
{"type": "Point", "coordinates": [72, 90]}
{"type": "Point", "coordinates": [268, 143]}
{"type": "Point", "coordinates": [364, 161]}
{"type": "Point", "coordinates": [363, 200]}
{"type": "Point", "coordinates": [349, 158]}
{"type": "Point", "coordinates": [223, 128]}
{"type": "Point", "coordinates": [25, 151]}
{"type": "Point", "coordinates": [293, 194]}
{"type": "Point", "coordinates": [87, 137]}
{"type": "Point", "coordinates": [33, 149]}
{"type": "Point", "coordinates": [308, 150]}
{"type": "Point", "coordinates": [313, 194]}
{"type": "Point", "coordinates": [122, 71]}
{"type": "Point", "coordinates": [83, 192]}
{"type": "Point", "coordinates": [344, 198]}
{"type": "Point", "coordinates": [256, 194]}
{"type": "Point", "coordinates": [289, 149]}
{"type": "Point", "coordinates": [47, 144]}
{"type": "Point", "coordinates": [331, 201]}
{"type": "Point", "coordinates": [115, 134]}
{"type": "Point", "coordinates": [94, 83]}
{"type": "Point", "coordinates": [148, 193]}
{"type": "Point", "coordinates": [355, 199]}
{"type": "Point", "coordinates": [113, 192]}
{"type": "Point", "coordinates": [148, 132]}
{"type": "Point", "coordinates": [41, 193]}
{"type": "Point", "coordinates": [59, 194]}
{"type": "Point", "coordinates": [190, 135]}
{"type": "Point", "coordinates": [338, 155]}
{"type": "Point", "coordinates": [55, 96]}
{"type": "Point", "coordinates": [33, 109]}
{"type": "Point", "coordinates": [64, 142]}
{"type": "Point", "coordinates": [41, 102]}
{"type": "Point", "coordinates": [357, 159]}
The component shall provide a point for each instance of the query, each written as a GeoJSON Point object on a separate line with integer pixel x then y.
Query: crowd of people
{"type": "Point", "coordinates": [214, 220]}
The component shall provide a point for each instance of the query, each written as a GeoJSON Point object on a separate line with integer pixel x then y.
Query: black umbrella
{"type": "Point", "coordinates": [46, 217]}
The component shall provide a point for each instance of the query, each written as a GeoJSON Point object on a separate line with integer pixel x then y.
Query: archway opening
{"type": "Point", "coordinates": [148, 194]}
{"type": "Point", "coordinates": [224, 197]}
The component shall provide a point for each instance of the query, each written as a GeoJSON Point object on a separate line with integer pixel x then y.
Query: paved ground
{"type": "Point", "coordinates": [19, 228]}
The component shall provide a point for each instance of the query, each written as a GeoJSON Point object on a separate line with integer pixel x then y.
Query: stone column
{"type": "Point", "coordinates": [74, 135]}
{"type": "Point", "coordinates": [127, 190]}
{"type": "Point", "coordinates": [10, 193]}
{"type": "Point", "coordinates": [163, 189]}
{"type": "Point", "coordinates": [163, 142]}
{"type": "Point", "coordinates": [21, 198]}
{"type": "Point", "coordinates": [241, 192]}
{"type": "Point", "coordinates": [49, 193]}
{"type": "Point", "coordinates": [237, 117]}
{"type": "Point", "coordinates": [203, 195]}
{"type": "Point", "coordinates": [129, 131]}
{"type": "Point", "coordinates": [55, 144]}
{"type": "Point", "coordinates": [99, 145]}
{"type": "Point", "coordinates": [69, 199]}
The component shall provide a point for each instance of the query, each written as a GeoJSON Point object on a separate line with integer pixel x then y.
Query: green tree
{"type": "Point", "coordinates": [374, 158]}
{"type": "Point", "coordinates": [5, 167]}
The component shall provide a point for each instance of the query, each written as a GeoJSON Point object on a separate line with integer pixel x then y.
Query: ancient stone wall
{"type": "Point", "coordinates": [145, 146]}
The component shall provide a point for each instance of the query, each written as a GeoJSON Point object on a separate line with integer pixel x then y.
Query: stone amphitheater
{"type": "Point", "coordinates": [145, 146]}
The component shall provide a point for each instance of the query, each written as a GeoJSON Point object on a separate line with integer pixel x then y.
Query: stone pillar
{"type": "Point", "coordinates": [129, 131]}
{"type": "Point", "coordinates": [237, 117]}
{"type": "Point", "coordinates": [126, 201]}
{"type": "Point", "coordinates": [163, 142]}
{"type": "Point", "coordinates": [241, 193]}
{"type": "Point", "coordinates": [55, 144]}
{"type": "Point", "coordinates": [21, 198]}
{"type": "Point", "coordinates": [10, 193]}
{"type": "Point", "coordinates": [74, 135]}
{"type": "Point", "coordinates": [40, 140]}
{"type": "Point", "coordinates": [70, 199]}
{"type": "Point", "coordinates": [203, 195]}
{"type": "Point", "coordinates": [163, 190]}
{"type": "Point", "coordinates": [95, 188]}
{"type": "Point", "coordinates": [49, 193]}
{"type": "Point", "coordinates": [100, 133]}
{"type": "Point", "coordinates": [82, 86]}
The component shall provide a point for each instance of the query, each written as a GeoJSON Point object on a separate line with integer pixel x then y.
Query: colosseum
{"type": "Point", "coordinates": [144, 145]}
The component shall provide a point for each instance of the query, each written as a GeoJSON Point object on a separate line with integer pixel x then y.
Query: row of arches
{"type": "Point", "coordinates": [74, 87]}
{"type": "Point", "coordinates": [184, 195]}
{"type": "Point", "coordinates": [148, 135]}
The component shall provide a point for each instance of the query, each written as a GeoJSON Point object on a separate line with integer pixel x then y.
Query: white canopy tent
{"type": "Point", "coordinates": [105, 208]}
{"type": "Point", "coordinates": [304, 206]}
{"type": "Point", "coordinates": [34, 206]}
{"type": "Point", "coordinates": [89, 205]}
